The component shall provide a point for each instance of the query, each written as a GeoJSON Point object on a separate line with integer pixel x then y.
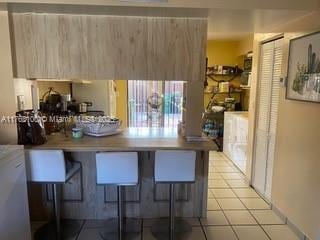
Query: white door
{"type": "Point", "coordinates": [267, 114]}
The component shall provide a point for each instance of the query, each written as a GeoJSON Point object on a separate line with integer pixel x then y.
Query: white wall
{"type": "Point", "coordinates": [7, 98]}
{"type": "Point", "coordinates": [296, 170]}
{"type": "Point", "coordinates": [296, 174]}
{"type": "Point", "coordinates": [23, 87]}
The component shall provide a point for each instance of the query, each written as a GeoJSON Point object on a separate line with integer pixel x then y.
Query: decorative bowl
{"type": "Point", "coordinates": [98, 125]}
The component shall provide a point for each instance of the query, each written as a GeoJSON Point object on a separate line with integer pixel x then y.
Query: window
{"type": "Point", "coordinates": [154, 103]}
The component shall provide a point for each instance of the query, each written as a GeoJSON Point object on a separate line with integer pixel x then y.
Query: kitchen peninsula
{"type": "Point", "coordinates": [82, 198]}
{"type": "Point", "coordinates": [103, 44]}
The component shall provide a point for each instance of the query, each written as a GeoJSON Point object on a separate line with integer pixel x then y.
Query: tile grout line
{"type": "Point", "coordinates": [81, 229]}
{"type": "Point", "coordinates": [247, 210]}
{"type": "Point", "coordinates": [236, 235]}
{"type": "Point", "coordinates": [228, 221]}
{"type": "Point", "coordinates": [256, 219]}
{"type": "Point", "coordinates": [237, 197]}
{"type": "Point", "coordinates": [203, 229]}
{"type": "Point", "coordinates": [252, 214]}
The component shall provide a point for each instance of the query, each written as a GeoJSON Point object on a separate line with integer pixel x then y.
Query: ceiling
{"type": "Point", "coordinates": [237, 24]}
{"type": "Point", "coordinates": [222, 4]}
{"type": "Point", "coordinates": [227, 19]}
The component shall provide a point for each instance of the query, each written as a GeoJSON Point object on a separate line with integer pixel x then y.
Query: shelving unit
{"type": "Point", "coordinates": [213, 94]}
{"type": "Point", "coordinates": [214, 132]}
{"type": "Point", "coordinates": [213, 122]}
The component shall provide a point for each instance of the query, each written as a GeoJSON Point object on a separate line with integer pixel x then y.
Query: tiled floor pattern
{"type": "Point", "coordinates": [235, 211]}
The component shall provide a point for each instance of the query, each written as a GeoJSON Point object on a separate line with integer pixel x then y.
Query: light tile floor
{"type": "Point", "coordinates": [235, 211]}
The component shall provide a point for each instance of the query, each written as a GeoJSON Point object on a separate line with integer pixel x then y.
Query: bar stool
{"type": "Point", "coordinates": [120, 169]}
{"type": "Point", "coordinates": [173, 167]}
{"type": "Point", "coordinates": [49, 167]}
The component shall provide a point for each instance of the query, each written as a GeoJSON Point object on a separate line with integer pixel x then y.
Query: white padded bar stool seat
{"type": "Point", "coordinates": [49, 167]}
{"type": "Point", "coordinates": [119, 168]}
{"type": "Point", "coordinates": [46, 166]}
{"type": "Point", "coordinates": [175, 166]}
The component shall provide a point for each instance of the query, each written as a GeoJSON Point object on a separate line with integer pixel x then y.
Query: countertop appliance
{"type": "Point", "coordinates": [83, 107]}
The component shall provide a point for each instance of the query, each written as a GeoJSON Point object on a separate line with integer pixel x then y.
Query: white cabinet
{"type": "Point", "coordinates": [14, 211]}
{"type": "Point", "coordinates": [235, 138]}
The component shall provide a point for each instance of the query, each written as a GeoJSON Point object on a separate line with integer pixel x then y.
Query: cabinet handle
{"type": "Point", "coordinates": [18, 164]}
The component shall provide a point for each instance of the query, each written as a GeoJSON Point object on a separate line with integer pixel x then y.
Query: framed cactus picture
{"type": "Point", "coordinates": [304, 68]}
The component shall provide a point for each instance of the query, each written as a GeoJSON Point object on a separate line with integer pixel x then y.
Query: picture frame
{"type": "Point", "coordinates": [303, 76]}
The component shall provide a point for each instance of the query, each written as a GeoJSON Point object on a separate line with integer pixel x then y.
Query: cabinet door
{"type": "Point", "coordinates": [14, 217]}
{"type": "Point", "coordinates": [117, 47]}
{"type": "Point", "coordinates": [30, 43]}
{"type": "Point", "coordinates": [242, 130]}
{"type": "Point", "coordinates": [175, 44]}
{"type": "Point", "coordinates": [228, 137]}
{"type": "Point", "coordinates": [109, 47]}
{"type": "Point", "coordinates": [241, 143]}
{"type": "Point", "coordinates": [72, 44]}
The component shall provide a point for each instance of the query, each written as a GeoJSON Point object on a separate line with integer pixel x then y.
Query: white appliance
{"type": "Point", "coordinates": [235, 138]}
{"type": "Point", "coordinates": [14, 209]}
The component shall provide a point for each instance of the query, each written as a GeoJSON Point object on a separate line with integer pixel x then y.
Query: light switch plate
{"type": "Point", "coordinates": [283, 81]}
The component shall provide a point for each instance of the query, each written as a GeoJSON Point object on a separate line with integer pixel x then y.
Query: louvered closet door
{"type": "Point", "coordinates": [274, 108]}
{"type": "Point", "coordinates": [267, 112]}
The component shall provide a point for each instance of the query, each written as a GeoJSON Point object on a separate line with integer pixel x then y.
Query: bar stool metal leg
{"type": "Point", "coordinates": [120, 213]}
{"type": "Point", "coordinates": [55, 230]}
{"type": "Point", "coordinates": [171, 228]}
{"type": "Point", "coordinates": [56, 209]}
{"type": "Point", "coordinates": [121, 228]}
{"type": "Point", "coordinates": [172, 211]}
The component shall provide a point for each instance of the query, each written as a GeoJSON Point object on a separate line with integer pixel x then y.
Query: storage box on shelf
{"type": "Point", "coordinates": [213, 126]}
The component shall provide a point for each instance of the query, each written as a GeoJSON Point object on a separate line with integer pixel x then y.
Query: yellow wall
{"type": "Point", "coordinates": [245, 45]}
{"type": "Point", "coordinates": [228, 52]}
{"type": "Point", "coordinates": [221, 52]}
{"type": "Point", "coordinates": [122, 101]}
{"type": "Point", "coordinates": [61, 87]}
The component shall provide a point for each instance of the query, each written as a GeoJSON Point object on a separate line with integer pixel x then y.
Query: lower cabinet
{"type": "Point", "coordinates": [14, 217]}
{"type": "Point", "coordinates": [235, 138]}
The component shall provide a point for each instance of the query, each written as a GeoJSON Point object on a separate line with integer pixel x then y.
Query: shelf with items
{"type": "Point", "coordinates": [229, 102]}
{"type": "Point", "coordinates": [212, 126]}
{"type": "Point", "coordinates": [223, 73]}
{"type": "Point", "coordinates": [213, 117]}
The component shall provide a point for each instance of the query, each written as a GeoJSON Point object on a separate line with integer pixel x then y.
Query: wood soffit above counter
{"type": "Point", "coordinates": [131, 139]}
{"type": "Point", "coordinates": [99, 47]}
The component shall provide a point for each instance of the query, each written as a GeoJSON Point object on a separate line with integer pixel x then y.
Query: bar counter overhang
{"type": "Point", "coordinates": [82, 198]}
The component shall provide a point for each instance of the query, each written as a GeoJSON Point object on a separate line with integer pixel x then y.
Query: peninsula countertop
{"type": "Point", "coordinates": [131, 139]}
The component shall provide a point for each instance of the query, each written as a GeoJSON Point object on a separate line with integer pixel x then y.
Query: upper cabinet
{"type": "Point", "coordinates": [108, 47]}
